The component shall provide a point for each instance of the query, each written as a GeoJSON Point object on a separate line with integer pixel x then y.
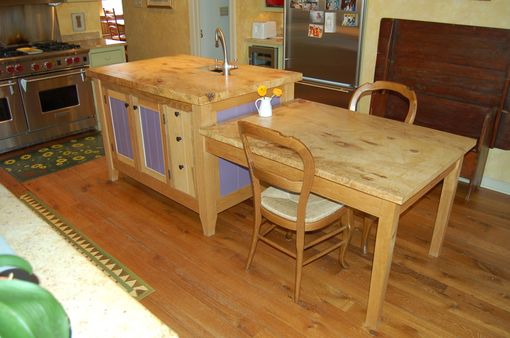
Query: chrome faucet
{"type": "Point", "coordinates": [220, 37]}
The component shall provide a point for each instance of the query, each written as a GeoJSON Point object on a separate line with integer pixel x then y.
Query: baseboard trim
{"type": "Point", "coordinates": [499, 186]}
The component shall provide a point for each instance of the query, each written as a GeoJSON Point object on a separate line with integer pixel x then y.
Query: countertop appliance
{"type": "Point", "coordinates": [322, 40]}
{"type": "Point", "coordinates": [44, 93]}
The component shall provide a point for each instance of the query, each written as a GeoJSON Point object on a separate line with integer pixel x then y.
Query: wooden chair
{"type": "Point", "coordinates": [288, 203]}
{"type": "Point", "coordinates": [116, 30]}
{"type": "Point", "coordinates": [369, 88]}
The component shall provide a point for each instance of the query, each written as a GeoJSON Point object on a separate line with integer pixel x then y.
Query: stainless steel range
{"type": "Point", "coordinates": [44, 93]}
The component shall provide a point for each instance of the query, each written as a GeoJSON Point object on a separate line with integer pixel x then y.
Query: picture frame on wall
{"type": "Point", "coordinates": [159, 3]}
{"type": "Point", "coordinates": [78, 20]}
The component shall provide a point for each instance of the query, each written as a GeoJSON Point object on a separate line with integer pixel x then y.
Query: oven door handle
{"type": "Point", "coordinates": [10, 85]}
{"type": "Point", "coordinates": [24, 82]}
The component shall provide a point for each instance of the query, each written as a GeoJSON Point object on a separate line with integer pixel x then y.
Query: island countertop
{"type": "Point", "coordinates": [188, 79]}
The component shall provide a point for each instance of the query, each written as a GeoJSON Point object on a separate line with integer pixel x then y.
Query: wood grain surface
{"type": "Point", "coordinates": [187, 78]}
{"type": "Point", "coordinates": [378, 156]}
{"type": "Point", "coordinates": [202, 289]}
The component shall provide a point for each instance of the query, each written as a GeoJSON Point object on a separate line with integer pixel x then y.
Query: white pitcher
{"type": "Point", "coordinates": [264, 107]}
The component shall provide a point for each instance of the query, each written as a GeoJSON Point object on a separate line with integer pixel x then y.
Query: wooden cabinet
{"type": "Point", "coordinates": [150, 141]}
{"type": "Point", "coordinates": [461, 76]}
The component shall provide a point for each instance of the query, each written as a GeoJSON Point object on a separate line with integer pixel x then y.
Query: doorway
{"type": "Point", "coordinates": [205, 16]}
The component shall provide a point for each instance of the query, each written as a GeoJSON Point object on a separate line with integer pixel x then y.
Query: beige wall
{"type": "Point", "coordinates": [153, 32]}
{"type": "Point", "coordinates": [247, 12]}
{"type": "Point", "coordinates": [91, 11]}
{"type": "Point", "coordinates": [494, 13]}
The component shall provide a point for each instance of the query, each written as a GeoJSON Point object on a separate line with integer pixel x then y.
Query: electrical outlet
{"type": "Point", "coordinates": [137, 3]}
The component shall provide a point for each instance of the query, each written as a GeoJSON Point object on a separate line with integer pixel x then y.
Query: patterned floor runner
{"type": "Point", "coordinates": [55, 157]}
{"type": "Point", "coordinates": [125, 278]}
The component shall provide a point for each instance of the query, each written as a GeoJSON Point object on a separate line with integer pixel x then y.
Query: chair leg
{"type": "Point", "coordinates": [300, 244]}
{"type": "Point", "coordinates": [256, 230]}
{"type": "Point", "coordinates": [367, 226]}
{"type": "Point", "coordinates": [346, 238]}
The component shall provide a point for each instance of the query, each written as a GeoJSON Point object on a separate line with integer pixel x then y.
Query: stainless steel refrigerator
{"type": "Point", "coordinates": [322, 40]}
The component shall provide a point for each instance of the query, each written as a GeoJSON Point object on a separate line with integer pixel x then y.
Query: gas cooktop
{"type": "Point", "coordinates": [40, 57]}
{"type": "Point", "coordinates": [41, 46]}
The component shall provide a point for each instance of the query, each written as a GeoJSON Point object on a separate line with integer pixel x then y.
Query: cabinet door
{"type": "Point", "coordinates": [152, 143]}
{"type": "Point", "coordinates": [121, 126]}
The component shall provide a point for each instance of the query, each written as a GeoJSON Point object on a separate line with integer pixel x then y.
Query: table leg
{"type": "Point", "coordinates": [381, 265]}
{"type": "Point", "coordinates": [444, 209]}
{"type": "Point", "coordinates": [207, 178]}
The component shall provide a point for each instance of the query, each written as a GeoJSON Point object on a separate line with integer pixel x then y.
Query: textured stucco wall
{"type": "Point", "coordinates": [247, 12]}
{"type": "Point", "coordinates": [91, 11]}
{"type": "Point", "coordinates": [494, 13]}
{"type": "Point", "coordinates": [153, 32]}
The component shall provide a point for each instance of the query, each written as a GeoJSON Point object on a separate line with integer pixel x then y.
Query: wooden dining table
{"type": "Point", "coordinates": [375, 165]}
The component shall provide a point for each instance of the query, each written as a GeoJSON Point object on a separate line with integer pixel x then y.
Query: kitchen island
{"type": "Point", "coordinates": [153, 110]}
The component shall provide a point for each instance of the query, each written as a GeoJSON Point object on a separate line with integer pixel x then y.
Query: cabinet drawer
{"type": "Point", "coordinates": [107, 57]}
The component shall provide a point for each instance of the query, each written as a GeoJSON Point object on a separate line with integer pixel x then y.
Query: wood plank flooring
{"type": "Point", "coordinates": [202, 289]}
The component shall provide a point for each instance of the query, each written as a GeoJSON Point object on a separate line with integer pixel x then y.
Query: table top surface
{"type": "Point", "coordinates": [188, 79]}
{"type": "Point", "coordinates": [382, 157]}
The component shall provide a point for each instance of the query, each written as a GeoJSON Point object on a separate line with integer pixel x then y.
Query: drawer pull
{"type": "Point", "coordinates": [177, 113]}
{"type": "Point", "coordinates": [135, 107]}
{"type": "Point", "coordinates": [178, 139]}
{"type": "Point", "coordinates": [126, 105]}
{"type": "Point", "coordinates": [181, 166]}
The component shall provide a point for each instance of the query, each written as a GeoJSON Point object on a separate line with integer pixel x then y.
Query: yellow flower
{"type": "Point", "coordinates": [47, 154]}
{"type": "Point", "coordinates": [79, 158]}
{"type": "Point", "coordinates": [57, 146]}
{"type": "Point", "coordinates": [77, 145]}
{"type": "Point", "coordinates": [25, 157]}
{"type": "Point", "coordinates": [262, 90]}
{"type": "Point", "coordinates": [277, 92]}
{"type": "Point", "coordinates": [89, 138]}
{"type": "Point", "coordinates": [9, 162]}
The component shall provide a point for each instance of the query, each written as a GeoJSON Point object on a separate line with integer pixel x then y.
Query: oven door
{"type": "Point", "coordinates": [57, 98]}
{"type": "Point", "coordinates": [12, 118]}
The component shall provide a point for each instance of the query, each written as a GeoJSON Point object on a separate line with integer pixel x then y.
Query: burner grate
{"type": "Point", "coordinates": [51, 46]}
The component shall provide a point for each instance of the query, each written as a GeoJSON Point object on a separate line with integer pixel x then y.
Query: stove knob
{"type": "Point", "coordinates": [48, 65]}
{"type": "Point", "coordinates": [77, 59]}
{"type": "Point", "coordinates": [35, 67]}
{"type": "Point", "coordinates": [69, 60]}
{"type": "Point", "coordinates": [19, 67]}
{"type": "Point", "coordinates": [10, 69]}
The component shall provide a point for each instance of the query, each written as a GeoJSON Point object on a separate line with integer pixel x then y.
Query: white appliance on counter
{"type": "Point", "coordinates": [263, 29]}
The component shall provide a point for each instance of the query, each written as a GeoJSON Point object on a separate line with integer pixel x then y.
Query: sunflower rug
{"type": "Point", "coordinates": [55, 157]}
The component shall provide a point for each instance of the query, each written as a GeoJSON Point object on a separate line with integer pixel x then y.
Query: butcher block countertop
{"type": "Point", "coordinates": [188, 79]}
{"type": "Point", "coordinates": [381, 157]}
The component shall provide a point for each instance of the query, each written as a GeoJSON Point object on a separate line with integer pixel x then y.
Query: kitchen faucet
{"type": "Point", "coordinates": [219, 36]}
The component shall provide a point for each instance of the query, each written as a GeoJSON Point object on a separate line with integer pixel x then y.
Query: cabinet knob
{"type": "Point", "coordinates": [126, 104]}
{"type": "Point", "coordinates": [178, 139]}
{"type": "Point", "coordinates": [135, 107]}
{"type": "Point", "coordinates": [177, 113]}
{"type": "Point", "coordinates": [181, 166]}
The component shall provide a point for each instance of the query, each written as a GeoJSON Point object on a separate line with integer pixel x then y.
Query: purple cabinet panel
{"type": "Point", "coordinates": [232, 176]}
{"type": "Point", "coordinates": [152, 140]}
{"type": "Point", "coordinates": [121, 127]}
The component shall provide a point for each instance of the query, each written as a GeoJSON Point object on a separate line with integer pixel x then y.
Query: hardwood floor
{"type": "Point", "coordinates": [203, 290]}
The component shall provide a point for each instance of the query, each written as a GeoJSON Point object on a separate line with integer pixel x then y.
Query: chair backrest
{"type": "Point", "coordinates": [116, 30]}
{"type": "Point", "coordinates": [369, 88]}
{"type": "Point", "coordinates": [300, 183]}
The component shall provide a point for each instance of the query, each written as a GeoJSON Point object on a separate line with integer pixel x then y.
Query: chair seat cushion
{"type": "Point", "coordinates": [285, 204]}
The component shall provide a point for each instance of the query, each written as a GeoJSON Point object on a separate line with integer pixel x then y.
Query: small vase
{"type": "Point", "coordinates": [264, 107]}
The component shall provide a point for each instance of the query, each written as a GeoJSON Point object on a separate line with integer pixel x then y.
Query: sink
{"type": "Point", "coordinates": [214, 69]}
